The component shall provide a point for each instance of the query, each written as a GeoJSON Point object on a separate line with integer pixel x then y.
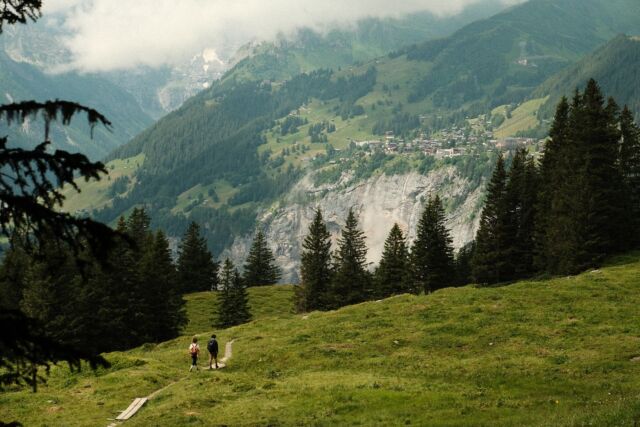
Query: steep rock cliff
{"type": "Point", "coordinates": [379, 201]}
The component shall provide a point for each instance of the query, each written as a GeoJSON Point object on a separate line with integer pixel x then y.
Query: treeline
{"type": "Point", "coordinates": [578, 206]}
{"type": "Point", "coordinates": [260, 269]}
{"type": "Point", "coordinates": [342, 277]}
{"type": "Point", "coordinates": [134, 296]}
{"type": "Point", "coordinates": [566, 213]}
{"type": "Point", "coordinates": [316, 131]}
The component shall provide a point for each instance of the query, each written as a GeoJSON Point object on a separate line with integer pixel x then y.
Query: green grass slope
{"type": "Point", "coordinates": [556, 352]}
{"type": "Point", "coordinates": [265, 302]}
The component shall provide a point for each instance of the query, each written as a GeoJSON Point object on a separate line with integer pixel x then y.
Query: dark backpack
{"type": "Point", "coordinates": [212, 346]}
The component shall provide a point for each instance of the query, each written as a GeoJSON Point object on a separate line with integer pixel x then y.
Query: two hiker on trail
{"type": "Point", "coordinates": [194, 351]}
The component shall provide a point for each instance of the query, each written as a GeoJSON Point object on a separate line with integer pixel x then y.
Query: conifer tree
{"type": "Point", "coordinates": [166, 305]}
{"type": "Point", "coordinates": [521, 198]}
{"type": "Point", "coordinates": [351, 281]}
{"type": "Point", "coordinates": [393, 275]}
{"type": "Point", "coordinates": [315, 267]}
{"type": "Point", "coordinates": [139, 228]}
{"type": "Point", "coordinates": [581, 212]}
{"type": "Point", "coordinates": [490, 262]}
{"type": "Point", "coordinates": [463, 264]}
{"type": "Point", "coordinates": [630, 169]}
{"type": "Point", "coordinates": [15, 263]}
{"type": "Point", "coordinates": [141, 310]}
{"type": "Point", "coordinates": [555, 149]}
{"type": "Point", "coordinates": [432, 253]}
{"type": "Point", "coordinates": [603, 219]}
{"type": "Point", "coordinates": [197, 270]}
{"type": "Point", "coordinates": [118, 299]}
{"type": "Point", "coordinates": [52, 294]}
{"type": "Point", "coordinates": [559, 224]}
{"type": "Point", "coordinates": [260, 268]}
{"type": "Point", "coordinates": [233, 307]}
{"type": "Point", "coordinates": [242, 313]}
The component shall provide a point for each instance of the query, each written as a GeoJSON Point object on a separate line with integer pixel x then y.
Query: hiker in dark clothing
{"type": "Point", "coordinates": [212, 346]}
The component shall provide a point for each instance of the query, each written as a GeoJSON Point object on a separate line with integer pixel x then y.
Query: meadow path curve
{"type": "Point", "coordinates": [139, 402]}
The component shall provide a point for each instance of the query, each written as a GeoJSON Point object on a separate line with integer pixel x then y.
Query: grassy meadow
{"type": "Point", "coordinates": [563, 351]}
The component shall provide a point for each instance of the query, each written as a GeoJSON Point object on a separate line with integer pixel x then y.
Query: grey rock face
{"type": "Point", "coordinates": [379, 202]}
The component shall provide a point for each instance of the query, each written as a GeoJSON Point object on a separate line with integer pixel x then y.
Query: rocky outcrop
{"type": "Point", "coordinates": [379, 201]}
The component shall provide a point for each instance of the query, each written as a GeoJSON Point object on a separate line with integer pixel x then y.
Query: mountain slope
{"type": "Point", "coordinates": [308, 50]}
{"type": "Point", "coordinates": [553, 352]}
{"type": "Point", "coordinates": [616, 68]}
{"type": "Point", "coordinates": [501, 59]}
{"type": "Point", "coordinates": [232, 153]}
{"type": "Point", "coordinates": [22, 82]}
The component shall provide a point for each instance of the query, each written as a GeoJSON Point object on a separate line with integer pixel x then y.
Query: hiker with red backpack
{"type": "Point", "coordinates": [194, 350]}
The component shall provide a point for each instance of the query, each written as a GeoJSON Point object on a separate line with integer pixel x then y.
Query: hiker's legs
{"type": "Point", "coordinates": [194, 363]}
{"type": "Point", "coordinates": [215, 357]}
{"type": "Point", "coordinates": [210, 359]}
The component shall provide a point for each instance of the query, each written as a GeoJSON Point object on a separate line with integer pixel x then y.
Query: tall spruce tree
{"type": "Point", "coordinates": [432, 254]}
{"type": "Point", "coordinates": [630, 170]}
{"type": "Point", "coordinates": [555, 151]}
{"type": "Point", "coordinates": [559, 222]}
{"type": "Point", "coordinates": [118, 296]}
{"type": "Point", "coordinates": [604, 217]}
{"type": "Point", "coordinates": [521, 199]}
{"type": "Point", "coordinates": [138, 228]}
{"type": "Point", "coordinates": [393, 275]}
{"type": "Point", "coordinates": [233, 301]}
{"type": "Point", "coordinates": [315, 267]}
{"type": "Point", "coordinates": [197, 270]}
{"type": "Point", "coordinates": [490, 260]}
{"type": "Point", "coordinates": [53, 293]}
{"type": "Point", "coordinates": [352, 281]}
{"type": "Point", "coordinates": [581, 214]}
{"type": "Point", "coordinates": [260, 268]}
{"type": "Point", "coordinates": [158, 273]}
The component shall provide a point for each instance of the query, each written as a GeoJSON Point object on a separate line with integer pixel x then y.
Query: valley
{"type": "Point", "coordinates": [352, 127]}
{"type": "Point", "coordinates": [370, 214]}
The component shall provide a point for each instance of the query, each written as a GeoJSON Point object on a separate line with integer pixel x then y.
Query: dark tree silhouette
{"type": "Point", "coordinates": [19, 11]}
{"type": "Point", "coordinates": [30, 198]}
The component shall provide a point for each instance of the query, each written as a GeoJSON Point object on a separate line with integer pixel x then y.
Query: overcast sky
{"type": "Point", "coordinates": [121, 34]}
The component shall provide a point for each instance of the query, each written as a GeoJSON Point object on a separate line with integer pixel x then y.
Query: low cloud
{"type": "Point", "coordinates": [109, 35]}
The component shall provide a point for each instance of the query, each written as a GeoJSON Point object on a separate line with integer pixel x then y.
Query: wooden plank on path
{"type": "Point", "coordinates": [132, 409]}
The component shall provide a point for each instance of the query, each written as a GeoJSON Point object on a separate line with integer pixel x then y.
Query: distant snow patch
{"type": "Point", "coordinates": [210, 55]}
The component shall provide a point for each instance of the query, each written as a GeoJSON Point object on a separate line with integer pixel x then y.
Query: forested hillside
{"type": "Point", "coordinates": [501, 59]}
{"type": "Point", "coordinates": [614, 65]}
{"type": "Point", "coordinates": [236, 148]}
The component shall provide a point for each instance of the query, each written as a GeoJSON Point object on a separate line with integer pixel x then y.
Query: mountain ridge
{"type": "Point", "coordinates": [236, 149]}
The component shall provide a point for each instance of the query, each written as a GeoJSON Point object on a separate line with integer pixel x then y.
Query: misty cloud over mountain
{"type": "Point", "coordinates": [105, 35]}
